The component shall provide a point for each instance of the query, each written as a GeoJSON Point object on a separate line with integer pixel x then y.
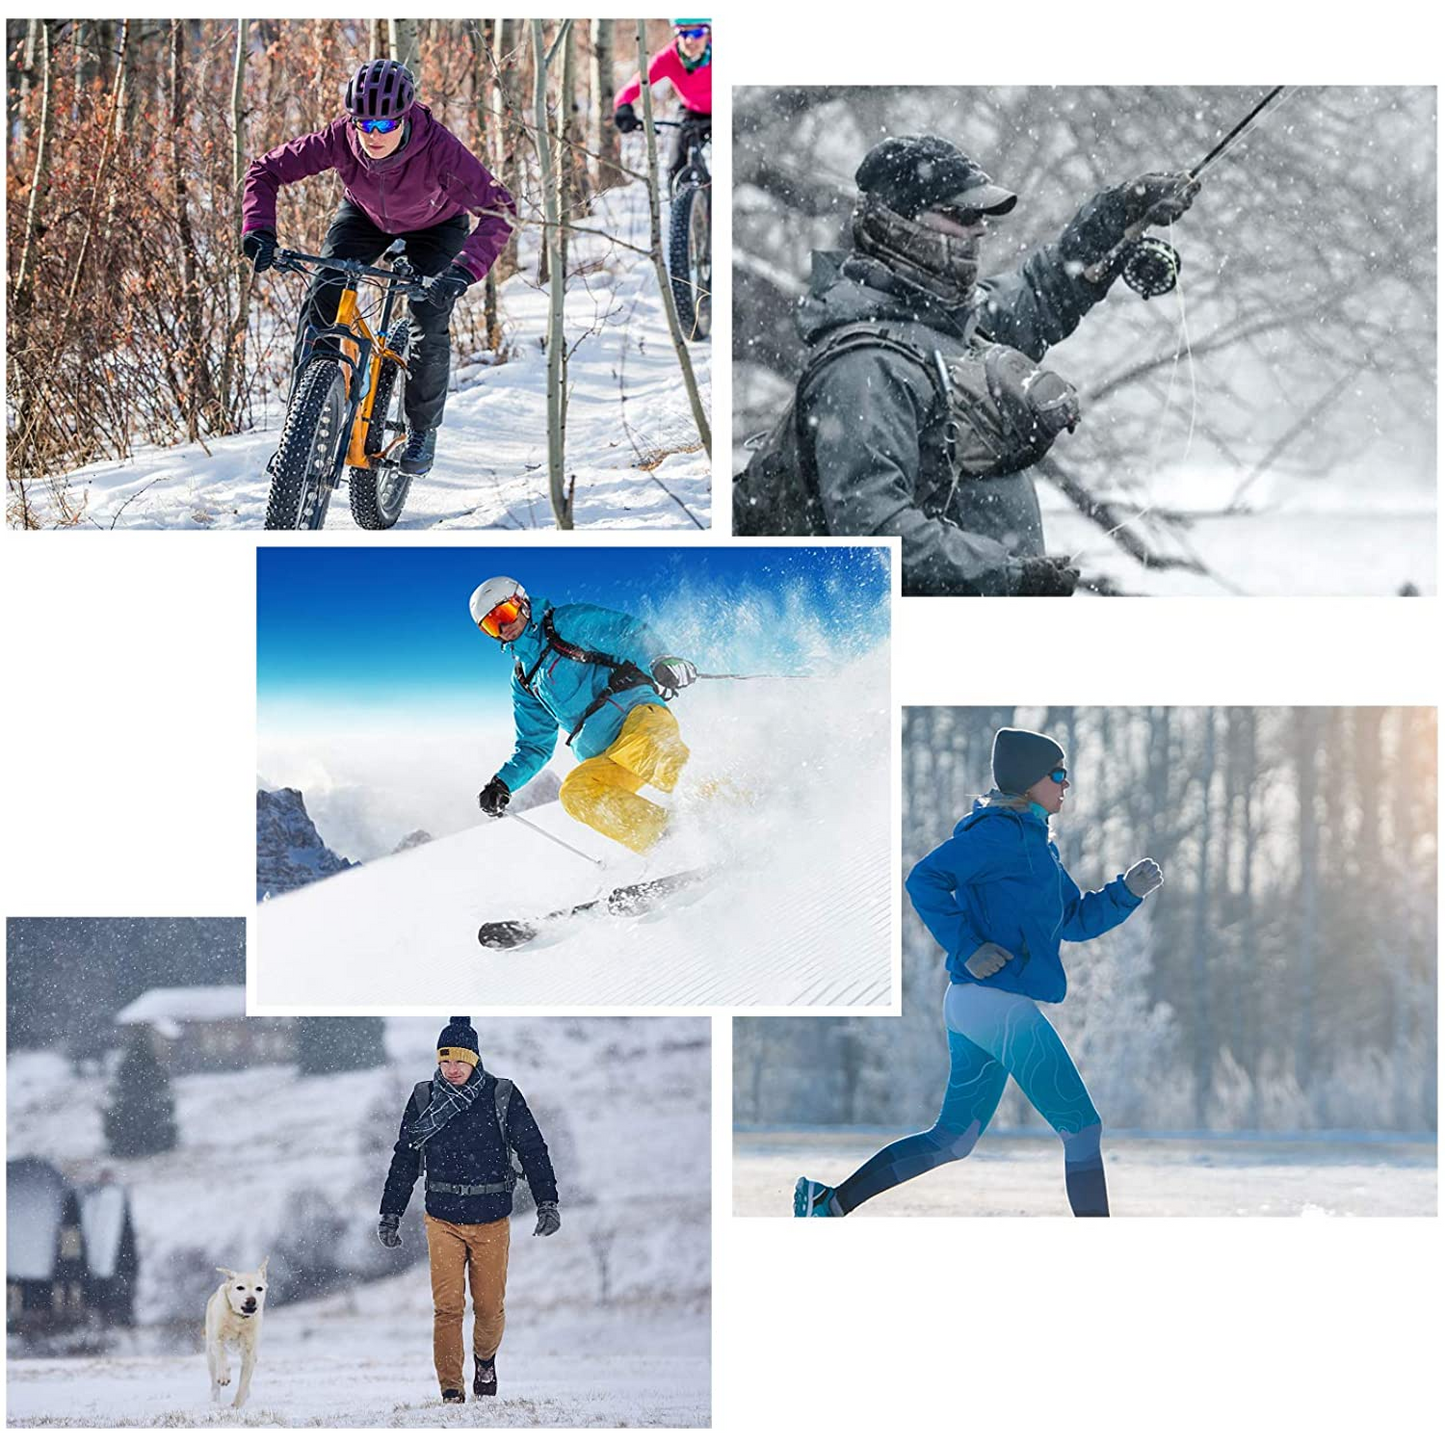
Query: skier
{"type": "Point", "coordinates": [687, 64]}
{"type": "Point", "coordinates": [999, 902]}
{"type": "Point", "coordinates": [462, 1127]}
{"type": "Point", "coordinates": [603, 677]}
{"type": "Point", "coordinates": [404, 176]}
{"type": "Point", "coordinates": [921, 405]}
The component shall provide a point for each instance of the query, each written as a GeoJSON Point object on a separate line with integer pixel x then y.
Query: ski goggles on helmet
{"type": "Point", "coordinates": [502, 615]}
{"type": "Point", "coordinates": [1059, 775]}
{"type": "Point", "coordinates": [692, 32]}
{"type": "Point", "coordinates": [377, 127]}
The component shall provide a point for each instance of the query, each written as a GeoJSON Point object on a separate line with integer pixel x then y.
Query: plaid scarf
{"type": "Point", "coordinates": [447, 1101]}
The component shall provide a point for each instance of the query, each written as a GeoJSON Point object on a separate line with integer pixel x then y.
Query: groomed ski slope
{"type": "Point", "coordinates": [786, 799]}
{"type": "Point", "coordinates": [626, 398]}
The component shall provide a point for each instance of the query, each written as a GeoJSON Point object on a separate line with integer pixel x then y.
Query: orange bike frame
{"type": "Point", "coordinates": [348, 314]}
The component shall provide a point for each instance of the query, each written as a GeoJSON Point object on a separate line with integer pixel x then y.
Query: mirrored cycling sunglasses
{"type": "Point", "coordinates": [377, 127]}
{"type": "Point", "coordinates": [694, 32]}
{"type": "Point", "coordinates": [502, 615]}
{"type": "Point", "coordinates": [1059, 775]}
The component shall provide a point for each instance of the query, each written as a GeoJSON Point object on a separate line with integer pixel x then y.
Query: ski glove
{"type": "Point", "coordinates": [449, 286]}
{"type": "Point", "coordinates": [1044, 577]}
{"type": "Point", "coordinates": [1143, 878]}
{"type": "Point", "coordinates": [986, 961]}
{"type": "Point", "coordinates": [388, 1230]}
{"type": "Point", "coordinates": [625, 119]}
{"type": "Point", "coordinates": [672, 674]}
{"type": "Point", "coordinates": [1160, 197]}
{"type": "Point", "coordinates": [260, 249]}
{"type": "Point", "coordinates": [549, 1221]}
{"type": "Point", "coordinates": [493, 799]}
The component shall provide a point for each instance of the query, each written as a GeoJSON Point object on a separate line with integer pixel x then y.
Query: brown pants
{"type": "Point", "coordinates": [461, 1253]}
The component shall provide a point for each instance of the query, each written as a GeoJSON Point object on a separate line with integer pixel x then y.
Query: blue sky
{"type": "Point", "coordinates": [359, 631]}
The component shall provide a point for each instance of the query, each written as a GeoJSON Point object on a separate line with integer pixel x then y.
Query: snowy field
{"type": "Point", "coordinates": [777, 921]}
{"type": "Point", "coordinates": [607, 1322]}
{"type": "Point", "coordinates": [1012, 1175]}
{"type": "Point", "coordinates": [627, 406]}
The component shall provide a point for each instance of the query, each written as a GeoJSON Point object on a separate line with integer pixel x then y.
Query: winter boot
{"type": "Point", "coordinates": [812, 1200]}
{"type": "Point", "coordinates": [421, 447]}
{"type": "Point", "coordinates": [454, 1397]}
{"type": "Point", "coordinates": [484, 1382]}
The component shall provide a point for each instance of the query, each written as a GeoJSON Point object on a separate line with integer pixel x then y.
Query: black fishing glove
{"type": "Point", "coordinates": [493, 799]}
{"type": "Point", "coordinates": [388, 1230]}
{"type": "Point", "coordinates": [260, 249]}
{"type": "Point", "coordinates": [450, 285]}
{"type": "Point", "coordinates": [1160, 197]}
{"type": "Point", "coordinates": [549, 1221]}
{"type": "Point", "coordinates": [986, 961]}
{"type": "Point", "coordinates": [1043, 577]}
{"type": "Point", "coordinates": [672, 674]}
{"type": "Point", "coordinates": [1144, 877]}
{"type": "Point", "coordinates": [625, 119]}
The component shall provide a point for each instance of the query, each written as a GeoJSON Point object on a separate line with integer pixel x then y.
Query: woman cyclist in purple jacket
{"type": "Point", "coordinates": [407, 177]}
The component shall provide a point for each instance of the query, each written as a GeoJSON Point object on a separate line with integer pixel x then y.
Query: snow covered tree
{"type": "Point", "coordinates": [339, 1045]}
{"type": "Point", "coordinates": [141, 1117]}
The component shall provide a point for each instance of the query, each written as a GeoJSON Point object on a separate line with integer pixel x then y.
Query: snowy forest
{"type": "Point", "coordinates": [1270, 426]}
{"type": "Point", "coordinates": [1283, 979]}
{"type": "Point", "coordinates": [148, 367]}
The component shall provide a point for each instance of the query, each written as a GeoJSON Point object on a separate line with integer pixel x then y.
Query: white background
{"type": "Point", "coordinates": [129, 779]}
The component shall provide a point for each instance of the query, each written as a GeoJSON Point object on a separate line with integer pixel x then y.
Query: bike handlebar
{"type": "Point", "coordinates": [401, 275]}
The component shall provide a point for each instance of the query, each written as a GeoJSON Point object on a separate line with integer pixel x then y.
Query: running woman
{"type": "Point", "coordinates": [997, 899]}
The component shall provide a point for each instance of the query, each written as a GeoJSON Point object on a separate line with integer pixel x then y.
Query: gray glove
{"type": "Point", "coordinates": [549, 1221]}
{"type": "Point", "coordinates": [1160, 197]}
{"type": "Point", "coordinates": [1143, 878]}
{"type": "Point", "coordinates": [388, 1230]}
{"type": "Point", "coordinates": [986, 960]}
{"type": "Point", "coordinates": [1043, 577]}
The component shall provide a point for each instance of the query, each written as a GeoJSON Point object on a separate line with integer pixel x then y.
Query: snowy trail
{"type": "Point", "coordinates": [1009, 1176]}
{"type": "Point", "coordinates": [627, 406]}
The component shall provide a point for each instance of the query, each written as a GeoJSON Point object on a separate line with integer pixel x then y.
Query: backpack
{"type": "Point", "coordinates": [1004, 411]}
{"type": "Point", "coordinates": [502, 1098]}
{"type": "Point", "coordinates": [625, 675]}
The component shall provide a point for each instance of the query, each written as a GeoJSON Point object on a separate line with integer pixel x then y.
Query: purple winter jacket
{"type": "Point", "coordinates": [432, 178]}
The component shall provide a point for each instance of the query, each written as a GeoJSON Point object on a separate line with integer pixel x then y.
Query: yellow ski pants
{"type": "Point", "coordinates": [602, 792]}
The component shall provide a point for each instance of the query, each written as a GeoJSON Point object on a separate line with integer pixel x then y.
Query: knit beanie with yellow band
{"type": "Point", "coordinates": [457, 1043]}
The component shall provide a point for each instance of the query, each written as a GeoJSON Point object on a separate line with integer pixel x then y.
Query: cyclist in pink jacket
{"type": "Point", "coordinates": [404, 176]}
{"type": "Point", "coordinates": [687, 64]}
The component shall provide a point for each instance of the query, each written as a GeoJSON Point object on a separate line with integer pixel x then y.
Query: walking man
{"type": "Point", "coordinates": [462, 1128]}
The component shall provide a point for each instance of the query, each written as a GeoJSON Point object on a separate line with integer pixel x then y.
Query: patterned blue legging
{"type": "Point", "coordinates": [992, 1034]}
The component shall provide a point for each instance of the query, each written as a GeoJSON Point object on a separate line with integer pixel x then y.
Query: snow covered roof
{"type": "Point", "coordinates": [34, 1207]}
{"type": "Point", "coordinates": [102, 1217]}
{"type": "Point", "coordinates": [167, 1008]}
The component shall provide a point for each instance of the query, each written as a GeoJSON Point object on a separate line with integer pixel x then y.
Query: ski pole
{"type": "Point", "coordinates": [552, 837]}
{"type": "Point", "coordinates": [751, 676]}
{"type": "Point", "coordinates": [1101, 267]}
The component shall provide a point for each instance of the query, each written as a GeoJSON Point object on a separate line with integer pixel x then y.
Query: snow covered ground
{"type": "Point", "coordinates": [792, 821]}
{"type": "Point", "coordinates": [627, 406]}
{"type": "Point", "coordinates": [608, 1320]}
{"type": "Point", "coordinates": [1013, 1175]}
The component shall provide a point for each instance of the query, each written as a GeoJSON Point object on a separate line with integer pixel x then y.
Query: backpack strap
{"type": "Point", "coordinates": [421, 1097]}
{"type": "Point", "coordinates": [866, 335]}
{"type": "Point", "coordinates": [503, 1100]}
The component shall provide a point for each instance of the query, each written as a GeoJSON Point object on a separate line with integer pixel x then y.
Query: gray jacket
{"type": "Point", "coordinates": [872, 422]}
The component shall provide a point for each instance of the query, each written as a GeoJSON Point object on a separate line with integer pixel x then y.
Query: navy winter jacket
{"type": "Point", "coordinates": [998, 879]}
{"type": "Point", "coordinates": [470, 1150]}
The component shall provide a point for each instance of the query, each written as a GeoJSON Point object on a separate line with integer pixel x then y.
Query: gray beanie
{"type": "Point", "coordinates": [1021, 758]}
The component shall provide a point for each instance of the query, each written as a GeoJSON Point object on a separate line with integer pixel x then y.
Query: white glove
{"type": "Point", "coordinates": [1143, 878]}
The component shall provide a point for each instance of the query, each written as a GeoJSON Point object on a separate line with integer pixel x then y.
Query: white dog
{"type": "Point", "coordinates": [233, 1319]}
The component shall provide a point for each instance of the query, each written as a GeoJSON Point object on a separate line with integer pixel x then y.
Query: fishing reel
{"type": "Point", "coordinates": [1151, 267]}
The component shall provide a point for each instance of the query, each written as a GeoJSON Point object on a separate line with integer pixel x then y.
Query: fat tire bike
{"type": "Point", "coordinates": [689, 239]}
{"type": "Point", "coordinates": [345, 412]}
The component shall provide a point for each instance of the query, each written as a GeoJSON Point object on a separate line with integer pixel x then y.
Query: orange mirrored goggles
{"type": "Point", "coordinates": [501, 615]}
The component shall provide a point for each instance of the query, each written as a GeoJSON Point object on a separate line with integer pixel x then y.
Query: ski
{"type": "Point", "coordinates": [625, 901]}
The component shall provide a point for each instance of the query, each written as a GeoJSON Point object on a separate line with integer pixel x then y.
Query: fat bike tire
{"type": "Point", "coordinates": [689, 259]}
{"type": "Point", "coordinates": [302, 471]}
{"type": "Point", "coordinates": [379, 493]}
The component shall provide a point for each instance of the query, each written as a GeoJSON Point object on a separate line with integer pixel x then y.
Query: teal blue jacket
{"type": "Point", "coordinates": [562, 690]}
{"type": "Point", "coordinates": [998, 879]}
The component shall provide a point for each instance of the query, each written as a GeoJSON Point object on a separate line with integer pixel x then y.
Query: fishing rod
{"type": "Point", "coordinates": [1151, 264]}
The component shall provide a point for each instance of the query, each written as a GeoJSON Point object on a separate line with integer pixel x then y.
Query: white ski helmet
{"type": "Point", "coordinates": [494, 593]}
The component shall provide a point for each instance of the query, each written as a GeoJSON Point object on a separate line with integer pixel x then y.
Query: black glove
{"type": "Point", "coordinates": [625, 119]}
{"type": "Point", "coordinates": [493, 799]}
{"type": "Point", "coordinates": [549, 1221]}
{"type": "Point", "coordinates": [450, 285]}
{"type": "Point", "coordinates": [1045, 577]}
{"type": "Point", "coordinates": [388, 1230]}
{"type": "Point", "coordinates": [1160, 197]}
{"type": "Point", "coordinates": [260, 249]}
{"type": "Point", "coordinates": [672, 674]}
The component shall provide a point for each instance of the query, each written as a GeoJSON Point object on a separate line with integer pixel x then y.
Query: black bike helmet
{"type": "Point", "coordinates": [380, 90]}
